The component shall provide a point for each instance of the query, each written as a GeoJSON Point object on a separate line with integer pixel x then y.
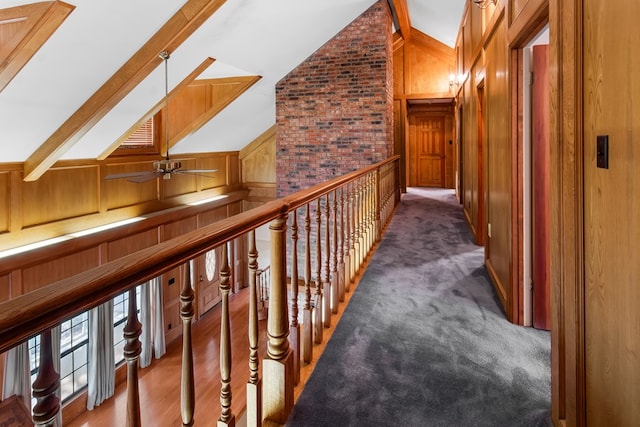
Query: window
{"type": "Point", "coordinates": [74, 343]}
{"type": "Point", "coordinates": [144, 140]}
{"type": "Point", "coordinates": [120, 314]}
{"type": "Point", "coordinates": [74, 346]}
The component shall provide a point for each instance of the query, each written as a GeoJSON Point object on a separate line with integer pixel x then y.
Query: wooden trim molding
{"type": "Point", "coordinates": [30, 26]}
{"type": "Point", "coordinates": [401, 14]}
{"type": "Point", "coordinates": [177, 29]}
{"type": "Point", "coordinates": [568, 379]}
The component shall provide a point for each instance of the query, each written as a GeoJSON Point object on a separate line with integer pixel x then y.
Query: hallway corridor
{"type": "Point", "coordinates": [424, 341]}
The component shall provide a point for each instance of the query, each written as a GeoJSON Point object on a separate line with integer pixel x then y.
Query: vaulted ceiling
{"type": "Point", "coordinates": [75, 77]}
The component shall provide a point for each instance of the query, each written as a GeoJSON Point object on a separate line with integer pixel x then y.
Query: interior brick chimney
{"type": "Point", "coordinates": [334, 112]}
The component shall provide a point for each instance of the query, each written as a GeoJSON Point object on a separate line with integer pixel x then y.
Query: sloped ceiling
{"type": "Point", "coordinates": [245, 37]}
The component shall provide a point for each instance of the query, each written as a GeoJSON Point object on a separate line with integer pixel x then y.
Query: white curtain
{"type": "Point", "coordinates": [152, 319]}
{"type": "Point", "coordinates": [17, 374]}
{"type": "Point", "coordinates": [101, 358]}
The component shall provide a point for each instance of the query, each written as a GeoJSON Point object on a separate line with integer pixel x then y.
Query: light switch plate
{"type": "Point", "coordinates": [602, 151]}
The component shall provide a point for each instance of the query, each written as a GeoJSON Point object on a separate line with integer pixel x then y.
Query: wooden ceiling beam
{"type": "Point", "coordinates": [401, 17]}
{"type": "Point", "coordinates": [23, 30]}
{"type": "Point", "coordinates": [175, 31]}
{"type": "Point", "coordinates": [184, 83]}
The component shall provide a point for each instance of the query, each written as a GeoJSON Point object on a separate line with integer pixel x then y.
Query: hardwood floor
{"type": "Point", "coordinates": [160, 383]}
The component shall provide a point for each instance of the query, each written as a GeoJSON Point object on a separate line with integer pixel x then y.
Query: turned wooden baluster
{"type": "Point", "coordinates": [378, 205]}
{"type": "Point", "coordinates": [132, 348]}
{"type": "Point", "coordinates": [227, 418]}
{"type": "Point", "coordinates": [278, 364]}
{"type": "Point", "coordinates": [341, 252]}
{"type": "Point", "coordinates": [254, 386]}
{"type": "Point", "coordinates": [307, 329]}
{"type": "Point", "coordinates": [294, 327]}
{"type": "Point", "coordinates": [326, 281]}
{"type": "Point", "coordinates": [352, 232]}
{"type": "Point", "coordinates": [187, 389]}
{"type": "Point", "coordinates": [335, 283]}
{"type": "Point", "coordinates": [317, 312]}
{"type": "Point", "coordinates": [371, 212]}
{"type": "Point", "coordinates": [358, 225]}
{"type": "Point", "coordinates": [46, 385]}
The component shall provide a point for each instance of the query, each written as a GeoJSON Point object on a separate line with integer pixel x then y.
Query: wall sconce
{"type": "Point", "coordinates": [483, 4]}
{"type": "Point", "coordinates": [454, 82]}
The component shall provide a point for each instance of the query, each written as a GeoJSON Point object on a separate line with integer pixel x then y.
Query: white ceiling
{"type": "Point", "coordinates": [246, 37]}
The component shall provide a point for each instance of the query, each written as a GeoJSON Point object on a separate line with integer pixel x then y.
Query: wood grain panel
{"type": "Point", "coordinates": [179, 184]}
{"type": "Point", "coordinates": [23, 30]}
{"type": "Point", "coordinates": [177, 228]}
{"type": "Point", "coordinates": [49, 272]}
{"type": "Point", "coordinates": [5, 287]}
{"type": "Point", "coordinates": [120, 192]}
{"type": "Point", "coordinates": [171, 287]}
{"type": "Point", "coordinates": [259, 164]}
{"type": "Point", "coordinates": [470, 152]}
{"type": "Point", "coordinates": [398, 69]}
{"type": "Point", "coordinates": [5, 201]}
{"type": "Point", "coordinates": [54, 196]}
{"type": "Point", "coordinates": [611, 200]}
{"type": "Point", "coordinates": [233, 169]}
{"type": "Point", "coordinates": [498, 162]}
{"type": "Point", "coordinates": [214, 179]}
{"type": "Point", "coordinates": [212, 216]}
{"type": "Point", "coordinates": [129, 244]}
{"type": "Point", "coordinates": [429, 64]}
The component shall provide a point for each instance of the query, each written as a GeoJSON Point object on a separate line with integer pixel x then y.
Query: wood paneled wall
{"type": "Point", "coordinates": [258, 168]}
{"type": "Point", "coordinates": [74, 196]}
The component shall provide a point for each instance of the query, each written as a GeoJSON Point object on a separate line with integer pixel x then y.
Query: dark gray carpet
{"type": "Point", "coordinates": [424, 341]}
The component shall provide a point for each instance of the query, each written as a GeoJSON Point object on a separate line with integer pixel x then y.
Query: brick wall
{"type": "Point", "coordinates": [334, 112]}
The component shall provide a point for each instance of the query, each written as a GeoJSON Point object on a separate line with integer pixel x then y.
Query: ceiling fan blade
{"type": "Point", "coordinates": [125, 175]}
{"type": "Point", "coordinates": [148, 176]}
{"type": "Point", "coordinates": [197, 172]}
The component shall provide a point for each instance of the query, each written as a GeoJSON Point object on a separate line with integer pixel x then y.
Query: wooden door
{"type": "Point", "coordinates": [429, 135]}
{"type": "Point", "coordinates": [207, 279]}
{"type": "Point", "coordinates": [540, 172]}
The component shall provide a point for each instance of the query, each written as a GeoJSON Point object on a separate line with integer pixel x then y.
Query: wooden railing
{"type": "Point", "coordinates": [333, 226]}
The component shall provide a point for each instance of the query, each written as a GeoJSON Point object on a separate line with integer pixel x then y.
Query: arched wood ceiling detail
{"type": "Point", "coordinates": [177, 29]}
{"type": "Point", "coordinates": [23, 30]}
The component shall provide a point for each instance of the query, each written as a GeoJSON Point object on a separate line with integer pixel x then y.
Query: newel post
{"type": "Point", "coordinates": [278, 363]}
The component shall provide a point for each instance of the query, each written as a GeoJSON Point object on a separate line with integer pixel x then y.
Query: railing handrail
{"type": "Point", "coordinates": [41, 309]}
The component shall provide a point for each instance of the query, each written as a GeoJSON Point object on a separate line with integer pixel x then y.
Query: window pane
{"type": "Point", "coordinates": [66, 365]}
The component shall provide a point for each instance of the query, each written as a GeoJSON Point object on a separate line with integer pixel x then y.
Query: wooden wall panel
{"type": "Point", "coordinates": [49, 272]}
{"type": "Point", "coordinates": [429, 63]}
{"type": "Point", "coordinates": [5, 287]}
{"type": "Point", "coordinates": [171, 286]}
{"type": "Point", "coordinates": [215, 179]}
{"type": "Point", "coordinates": [611, 202]}
{"type": "Point", "coordinates": [129, 244]}
{"type": "Point", "coordinates": [470, 151]}
{"type": "Point", "coordinates": [499, 187]}
{"type": "Point", "coordinates": [398, 69]}
{"type": "Point", "coordinates": [5, 200]}
{"type": "Point", "coordinates": [212, 216]}
{"type": "Point", "coordinates": [233, 169]}
{"type": "Point", "coordinates": [120, 192]}
{"type": "Point", "coordinates": [259, 165]}
{"type": "Point", "coordinates": [181, 183]}
{"type": "Point", "coordinates": [178, 228]}
{"type": "Point", "coordinates": [54, 196]}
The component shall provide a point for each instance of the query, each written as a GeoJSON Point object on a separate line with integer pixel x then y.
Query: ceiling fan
{"type": "Point", "coordinates": [166, 167]}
